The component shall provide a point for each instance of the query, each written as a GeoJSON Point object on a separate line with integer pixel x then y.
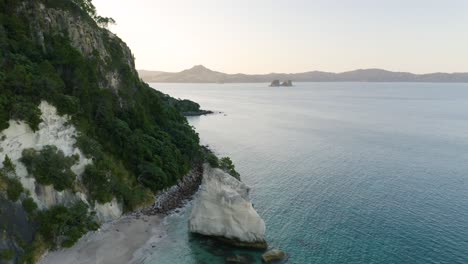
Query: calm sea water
{"type": "Point", "coordinates": [341, 172]}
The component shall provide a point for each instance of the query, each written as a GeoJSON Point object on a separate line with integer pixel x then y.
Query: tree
{"type": "Point", "coordinates": [227, 165]}
{"type": "Point", "coordinates": [50, 166]}
{"type": "Point", "coordinates": [8, 166]}
{"type": "Point", "coordinates": [62, 226]}
{"type": "Point", "coordinates": [90, 9]}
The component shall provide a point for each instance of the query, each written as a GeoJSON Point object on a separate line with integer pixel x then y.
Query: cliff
{"type": "Point", "coordinates": [82, 138]}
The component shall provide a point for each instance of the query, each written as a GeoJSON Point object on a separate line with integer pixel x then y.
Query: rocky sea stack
{"type": "Point", "coordinates": [222, 209]}
{"type": "Point", "coordinates": [277, 83]}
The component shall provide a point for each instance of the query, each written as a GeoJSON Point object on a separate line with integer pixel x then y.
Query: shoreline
{"type": "Point", "coordinates": [126, 239]}
{"type": "Point", "coordinates": [199, 113]}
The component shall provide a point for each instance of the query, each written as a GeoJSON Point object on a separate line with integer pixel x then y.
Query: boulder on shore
{"type": "Point", "coordinates": [222, 209]}
{"type": "Point", "coordinates": [273, 255]}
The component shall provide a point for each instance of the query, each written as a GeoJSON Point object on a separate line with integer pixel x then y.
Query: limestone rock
{"type": "Point", "coordinates": [54, 130]}
{"type": "Point", "coordinates": [222, 209]}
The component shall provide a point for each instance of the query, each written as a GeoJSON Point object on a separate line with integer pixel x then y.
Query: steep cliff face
{"type": "Point", "coordinates": [54, 130]}
{"type": "Point", "coordinates": [82, 138]}
{"type": "Point", "coordinates": [83, 34]}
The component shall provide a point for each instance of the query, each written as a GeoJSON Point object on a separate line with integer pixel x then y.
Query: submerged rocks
{"type": "Point", "coordinates": [237, 259]}
{"type": "Point", "coordinates": [273, 256]}
{"type": "Point", "coordinates": [222, 209]}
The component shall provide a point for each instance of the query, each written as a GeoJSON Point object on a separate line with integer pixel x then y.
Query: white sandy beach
{"type": "Point", "coordinates": [122, 241]}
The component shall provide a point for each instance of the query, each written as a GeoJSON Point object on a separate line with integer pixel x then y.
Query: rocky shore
{"type": "Point", "coordinates": [175, 196]}
{"type": "Point", "coordinates": [221, 210]}
{"type": "Point", "coordinates": [131, 237]}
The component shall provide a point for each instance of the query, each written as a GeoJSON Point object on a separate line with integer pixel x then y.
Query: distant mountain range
{"type": "Point", "coordinates": [201, 74]}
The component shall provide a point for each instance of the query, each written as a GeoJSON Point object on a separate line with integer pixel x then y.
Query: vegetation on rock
{"type": "Point", "coordinates": [9, 183]}
{"type": "Point", "coordinates": [50, 166]}
{"type": "Point", "coordinates": [29, 205]}
{"type": "Point", "coordinates": [224, 163]}
{"type": "Point", "coordinates": [6, 254]}
{"type": "Point", "coordinates": [61, 226]}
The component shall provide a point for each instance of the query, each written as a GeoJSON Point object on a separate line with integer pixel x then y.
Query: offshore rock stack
{"type": "Point", "coordinates": [175, 196]}
{"type": "Point", "coordinates": [277, 83]}
{"type": "Point", "coordinates": [222, 209]}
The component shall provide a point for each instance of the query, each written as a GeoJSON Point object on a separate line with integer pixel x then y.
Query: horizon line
{"type": "Point", "coordinates": [333, 72]}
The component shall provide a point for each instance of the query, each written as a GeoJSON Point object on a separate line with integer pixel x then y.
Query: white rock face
{"type": "Point", "coordinates": [222, 208]}
{"type": "Point", "coordinates": [53, 130]}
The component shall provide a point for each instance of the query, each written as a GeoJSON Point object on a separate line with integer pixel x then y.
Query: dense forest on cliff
{"type": "Point", "coordinates": [137, 138]}
{"type": "Point", "coordinates": [135, 124]}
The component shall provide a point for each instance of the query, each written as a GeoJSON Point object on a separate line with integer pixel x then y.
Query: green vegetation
{"type": "Point", "coordinates": [107, 178]}
{"type": "Point", "coordinates": [136, 136]}
{"type": "Point", "coordinates": [7, 254]}
{"type": "Point", "coordinates": [212, 159]}
{"type": "Point", "coordinates": [14, 189]}
{"type": "Point", "coordinates": [90, 9]}
{"type": "Point", "coordinates": [227, 165]}
{"type": "Point", "coordinates": [33, 251]}
{"type": "Point", "coordinates": [50, 167]}
{"type": "Point", "coordinates": [224, 163]}
{"type": "Point", "coordinates": [9, 183]}
{"type": "Point", "coordinates": [135, 128]}
{"type": "Point", "coordinates": [29, 205]}
{"type": "Point", "coordinates": [62, 227]}
{"type": "Point", "coordinates": [184, 105]}
{"type": "Point", "coordinates": [8, 166]}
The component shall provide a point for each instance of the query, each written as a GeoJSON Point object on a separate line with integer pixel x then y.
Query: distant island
{"type": "Point", "coordinates": [277, 83]}
{"type": "Point", "coordinates": [201, 74]}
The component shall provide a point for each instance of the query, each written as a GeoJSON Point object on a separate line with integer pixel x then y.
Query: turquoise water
{"type": "Point", "coordinates": [341, 172]}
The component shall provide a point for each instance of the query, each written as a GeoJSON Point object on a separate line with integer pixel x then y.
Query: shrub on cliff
{"type": "Point", "coordinates": [106, 178]}
{"type": "Point", "coordinates": [50, 166]}
{"type": "Point", "coordinates": [14, 189]}
{"type": "Point", "coordinates": [224, 163]}
{"type": "Point", "coordinates": [7, 254]}
{"type": "Point", "coordinates": [62, 227]}
{"type": "Point", "coordinates": [9, 183]}
{"type": "Point", "coordinates": [227, 165]}
{"type": "Point", "coordinates": [29, 205]}
{"type": "Point", "coordinates": [212, 159]}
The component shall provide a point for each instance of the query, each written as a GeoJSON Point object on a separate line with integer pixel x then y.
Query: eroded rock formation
{"type": "Point", "coordinates": [222, 209]}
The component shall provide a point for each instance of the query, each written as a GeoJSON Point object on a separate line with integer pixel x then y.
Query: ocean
{"type": "Point", "coordinates": [340, 172]}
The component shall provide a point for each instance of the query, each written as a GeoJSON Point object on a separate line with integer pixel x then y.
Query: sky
{"type": "Point", "coordinates": [263, 36]}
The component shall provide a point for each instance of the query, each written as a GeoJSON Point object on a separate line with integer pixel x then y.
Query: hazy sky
{"type": "Point", "coordinates": [262, 36]}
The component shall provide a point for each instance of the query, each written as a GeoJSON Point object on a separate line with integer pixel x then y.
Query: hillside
{"type": "Point", "coordinates": [82, 139]}
{"type": "Point", "coordinates": [201, 74]}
